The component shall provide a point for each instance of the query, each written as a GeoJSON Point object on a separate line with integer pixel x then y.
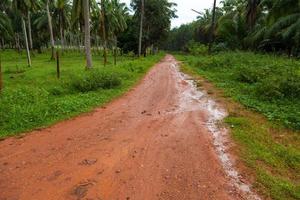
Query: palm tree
{"type": "Point", "coordinates": [77, 14]}
{"type": "Point", "coordinates": [252, 12]}
{"type": "Point", "coordinates": [141, 26]}
{"type": "Point", "coordinates": [31, 6]}
{"type": "Point", "coordinates": [50, 29]}
{"type": "Point", "coordinates": [213, 25]}
{"type": "Point", "coordinates": [116, 13]}
{"type": "Point", "coordinates": [87, 34]}
{"type": "Point", "coordinates": [21, 8]}
{"type": "Point", "coordinates": [61, 15]}
{"type": "Point", "coordinates": [104, 30]}
{"type": "Point", "coordinates": [5, 26]}
{"type": "Point", "coordinates": [1, 81]}
{"type": "Point", "coordinates": [113, 21]}
{"type": "Point", "coordinates": [119, 14]}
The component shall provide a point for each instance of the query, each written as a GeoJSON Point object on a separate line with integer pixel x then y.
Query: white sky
{"type": "Point", "coordinates": [184, 7]}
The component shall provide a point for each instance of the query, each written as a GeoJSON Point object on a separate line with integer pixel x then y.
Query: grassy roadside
{"type": "Point", "coordinates": [34, 98]}
{"type": "Point", "coordinates": [267, 150]}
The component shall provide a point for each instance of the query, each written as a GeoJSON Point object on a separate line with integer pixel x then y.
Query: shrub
{"type": "Point", "coordinates": [269, 89]}
{"type": "Point", "coordinates": [248, 74]}
{"type": "Point", "coordinates": [284, 84]}
{"type": "Point", "coordinates": [195, 48]}
{"type": "Point", "coordinates": [220, 47]}
{"type": "Point", "coordinates": [290, 85]}
{"type": "Point", "coordinates": [211, 62]}
{"type": "Point", "coordinates": [96, 79]}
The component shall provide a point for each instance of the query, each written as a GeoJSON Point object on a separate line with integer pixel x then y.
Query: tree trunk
{"type": "Point", "coordinates": [29, 31]}
{"type": "Point", "coordinates": [51, 31]}
{"type": "Point", "coordinates": [62, 39]}
{"type": "Point", "coordinates": [115, 51]}
{"type": "Point", "coordinates": [104, 32]}
{"type": "Point", "coordinates": [212, 28]}
{"type": "Point", "coordinates": [141, 27]}
{"type": "Point", "coordinates": [18, 46]}
{"type": "Point", "coordinates": [1, 81]}
{"type": "Point", "coordinates": [87, 34]}
{"type": "Point", "coordinates": [26, 42]}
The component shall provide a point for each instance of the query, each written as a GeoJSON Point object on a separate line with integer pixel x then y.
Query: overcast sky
{"type": "Point", "coordinates": [184, 7]}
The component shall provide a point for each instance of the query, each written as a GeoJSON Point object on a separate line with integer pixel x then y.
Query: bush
{"type": "Point", "coordinates": [211, 62]}
{"type": "Point", "coordinates": [279, 87]}
{"type": "Point", "coordinates": [290, 85]}
{"type": "Point", "coordinates": [269, 89]}
{"type": "Point", "coordinates": [249, 74]}
{"type": "Point", "coordinates": [96, 79]}
{"type": "Point", "coordinates": [220, 47]}
{"type": "Point", "coordinates": [195, 48]}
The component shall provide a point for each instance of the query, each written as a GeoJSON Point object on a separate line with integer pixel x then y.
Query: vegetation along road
{"type": "Point", "coordinates": [133, 148]}
{"type": "Point", "coordinates": [149, 99]}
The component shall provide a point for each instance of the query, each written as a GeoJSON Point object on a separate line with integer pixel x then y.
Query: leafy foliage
{"type": "Point", "coordinates": [270, 26]}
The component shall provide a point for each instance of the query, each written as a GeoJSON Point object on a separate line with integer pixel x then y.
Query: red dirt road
{"type": "Point", "coordinates": [143, 146]}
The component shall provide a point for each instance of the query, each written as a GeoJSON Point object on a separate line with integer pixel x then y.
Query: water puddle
{"type": "Point", "coordinates": [193, 99]}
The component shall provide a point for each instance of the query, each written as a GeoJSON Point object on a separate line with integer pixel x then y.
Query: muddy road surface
{"type": "Point", "coordinates": [160, 141]}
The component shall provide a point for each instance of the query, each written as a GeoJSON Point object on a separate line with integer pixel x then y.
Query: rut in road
{"type": "Point", "coordinates": [159, 141]}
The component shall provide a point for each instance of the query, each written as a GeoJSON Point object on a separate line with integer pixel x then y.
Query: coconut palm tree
{"type": "Point", "coordinates": [50, 28]}
{"type": "Point", "coordinates": [104, 28]}
{"type": "Point", "coordinates": [113, 21]}
{"type": "Point", "coordinates": [31, 7]}
{"type": "Point", "coordinates": [116, 13]}
{"type": "Point", "coordinates": [81, 16]}
{"type": "Point", "coordinates": [285, 19]}
{"type": "Point", "coordinates": [21, 7]}
{"type": "Point", "coordinates": [5, 26]}
{"type": "Point", "coordinates": [62, 9]}
{"type": "Point", "coordinates": [142, 7]}
{"type": "Point", "coordinates": [213, 25]}
{"type": "Point", "coordinates": [87, 34]}
{"type": "Point", "coordinates": [252, 12]}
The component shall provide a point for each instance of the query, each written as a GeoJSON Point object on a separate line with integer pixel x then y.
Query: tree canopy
{"type": "Point", "coordinates": [265, 25]}
{"type": "Point", "coordinates": [61, 23]}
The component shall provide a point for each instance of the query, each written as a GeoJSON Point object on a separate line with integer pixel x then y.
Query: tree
{"type": "Point", "coordinates": [21, 8]}
{"type": "Point", "coordinates": [5, 26]}
{"type": "Point", "coordinates": [50, 29]}
{"type": "Point", "coordinates": [61, 15]}
{"type": "Point", "coordinates": [31, 7]}
{"type": "Point", "coordinates": [104, 29]}
{"type": "Point", "coordinates": [142, 7]}
{"type": "Point", "coordinates": [252, 12]}
{"type": "Point", "coordinates": [87, 36]}
{"type": "Point", "coordinates": [212, 29]}
{"type": "Point", "coordinates": [116, 13]}
{"type": "Point", "coordinates": [156, 28]}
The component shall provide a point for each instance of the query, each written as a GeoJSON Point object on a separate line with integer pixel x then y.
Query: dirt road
{"type": "Point", "coordinates": [158, 141]}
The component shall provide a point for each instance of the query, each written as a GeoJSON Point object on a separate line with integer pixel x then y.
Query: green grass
{"type": "Point", "coordinates": [34, 97]}
{"type": "Point", "coordinates": [276, 164]}
{"type": "Point", "coordinates": [266, 83]}
{"type": "Point", "coordinates": [268, 146]}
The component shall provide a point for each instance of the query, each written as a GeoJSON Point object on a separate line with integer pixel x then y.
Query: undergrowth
{"type": "Point", "coordinates": [34, 97]}
{"type": "Point", "coordinates": [269, 147]}
{"type": "Point", "coordinates": [266, 83]}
